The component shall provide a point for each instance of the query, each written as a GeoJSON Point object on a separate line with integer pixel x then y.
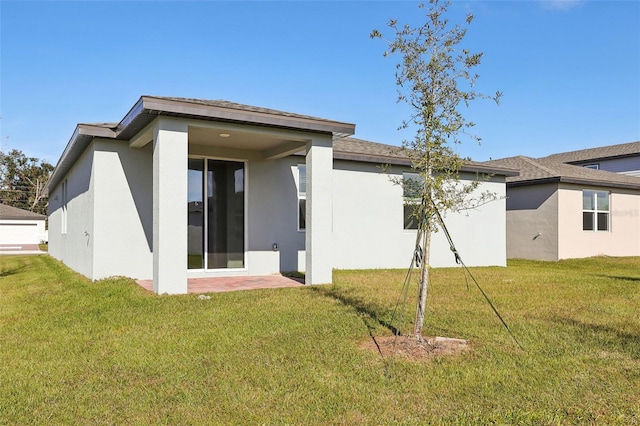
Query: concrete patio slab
{"type": "Point", "coordinates": [20, 249]}
{"type": "Point", "coordinates": [222, 284]}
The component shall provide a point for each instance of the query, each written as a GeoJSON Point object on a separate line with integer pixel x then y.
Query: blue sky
{"type": "Point", "coordinates": [569, 70]}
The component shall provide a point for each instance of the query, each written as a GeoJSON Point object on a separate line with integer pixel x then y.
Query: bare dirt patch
{"type": "Point", "coordinates": [413, 349]}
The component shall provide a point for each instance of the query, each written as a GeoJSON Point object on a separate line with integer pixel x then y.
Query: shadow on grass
{"type": "Point", "coordinates": [12, 271]}
{"type": "Point", "coordinates": [631, 279]}
{"type": "Point", "coordinates": [604, 336]}
{"type": "Point", "coordinates": [371, 312]}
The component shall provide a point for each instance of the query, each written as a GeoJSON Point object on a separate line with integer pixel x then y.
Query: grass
{"type": "Point", "coordinates": [108, 352]}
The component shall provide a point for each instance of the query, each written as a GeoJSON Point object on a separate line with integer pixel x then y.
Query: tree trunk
{"type": "Point", "coordinates": [423, 284]}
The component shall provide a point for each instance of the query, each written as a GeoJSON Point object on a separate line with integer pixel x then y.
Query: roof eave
{"type": "Point", "coordinates": [576, 181]}
{"type": "Point", "coordinates": [151, 106]}
{"type": "Point", "coordinates": [403, 161]}
{"type": "Point", "coordinates": [80, 139]}
{"type": "Point", "coordinates": [38, 217]}
{"type": "Point", "coordinates": [157, 106]}
{"type": "Point", "coordinates": [602, 158]}
{"type": "Point", "coordinates": [369, 158]}
{"type": "Point", "coordinates": [491, 170]}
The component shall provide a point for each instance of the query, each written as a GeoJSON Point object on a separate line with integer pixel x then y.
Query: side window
{"type": "Point", "coordinates": [64, 207]}
{"type": "Point", "coordinates": [302, 197]}
{"type": "Point", "coordinates": [595, 210]}
{"type": "Point", "coordinates": [411, 199]}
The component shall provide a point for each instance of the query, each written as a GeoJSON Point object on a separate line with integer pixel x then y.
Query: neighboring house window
{"type": "Point", "coordinates": [595, 210]}
{"type": "Point", "coordinates": [411, 183]}
{"type": "Point", "coordinates": [64, 207]}
{"type": "Point", "coordinates": [595, 166]}
{"type": "Point", "coordinates": [302, 197]}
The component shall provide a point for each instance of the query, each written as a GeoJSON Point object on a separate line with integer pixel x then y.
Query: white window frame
{"type": "Point", "coordinates": [63, 221]}
{"type": "Point", "coordinates": [302, 196]}
{"type": "Point", "coordinates": [409, 201]}
{"type": "Point", "coordinates": [596, 211]}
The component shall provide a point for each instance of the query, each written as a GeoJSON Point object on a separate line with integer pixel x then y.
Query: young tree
{"type": "Point", "coordinates": [435, 78]}
{"type": "Point", "coordinates": [23, 180]}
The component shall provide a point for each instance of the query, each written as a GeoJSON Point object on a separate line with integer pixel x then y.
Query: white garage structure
{"type": "Point", "coordinates": [20, 227]}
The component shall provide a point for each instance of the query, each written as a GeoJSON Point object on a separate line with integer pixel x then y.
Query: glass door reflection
{"type": "Point", "coordinates": [195, 214]}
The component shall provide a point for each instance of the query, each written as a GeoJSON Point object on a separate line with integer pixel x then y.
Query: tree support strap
{"type": "Point", "coordinates": [460, 262]}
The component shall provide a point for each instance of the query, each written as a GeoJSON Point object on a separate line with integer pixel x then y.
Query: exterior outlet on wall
{"type": "Point", "coordinates": [275, 247]}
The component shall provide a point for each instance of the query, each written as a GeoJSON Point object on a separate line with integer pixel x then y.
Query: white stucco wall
{"type": "Point", "coordinates": [623, 239]}
{"type": "Point", "coordinates": [368, 226]}
{"type": "Point", "coordinates": [273, 192]}
{"type": "Point", "coordinates": [122, 183]}
{"type": "Point", "coordinates": [75, 247]}
{"type": "Point", "coordinates": [110, 216]}
{"type": "Point", "coordinates": [108, 213]}
{"type": "Point", "coordinates": [532, 222]}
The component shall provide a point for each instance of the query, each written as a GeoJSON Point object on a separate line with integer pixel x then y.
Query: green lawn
{"type": "Point", "coordinates": [77, 352]}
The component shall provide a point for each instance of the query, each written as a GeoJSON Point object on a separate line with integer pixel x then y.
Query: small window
{"type": "Point", "coordinates": [411, 185]}
{"type": "Point", "coordinates": [595, 166]}
{"type": "Point", "coordinates": [64, 207]}
{"type": "Point", "coordinates": [595, 210]}
{"type": "Point", "coordinates": [302, 197]}
{"type": "Point", "coordinates": [410, 219]}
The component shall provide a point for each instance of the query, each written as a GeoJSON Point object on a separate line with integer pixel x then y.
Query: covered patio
{"type": "Point", "coordinates": [205, 156]}
{"type": "Point", "coordinates": [182, 189]}
{"type": "Point", "coordinates": [222, 284]}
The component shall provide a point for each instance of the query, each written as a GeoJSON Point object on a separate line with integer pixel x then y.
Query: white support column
{"type": "Point", "coordinates": [319, 226]}
{"type": "Point", "coordinates": [170, 151]}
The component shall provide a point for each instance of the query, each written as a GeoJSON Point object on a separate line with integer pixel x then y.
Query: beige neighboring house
{"type": "Point", "coordinates": [21, 227]}
{"type": "Point", "coordinates": [574, 204]}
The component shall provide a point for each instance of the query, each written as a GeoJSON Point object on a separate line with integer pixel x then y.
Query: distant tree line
{"type": "Point", "coordinates": [23, 181]}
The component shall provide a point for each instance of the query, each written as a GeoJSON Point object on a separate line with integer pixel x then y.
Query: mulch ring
{"type": "Point", "coordinates": [413, 349]}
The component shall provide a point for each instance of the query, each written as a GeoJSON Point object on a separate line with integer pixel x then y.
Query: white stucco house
{"type": "Point", "coordinates": [21, 227]}
{"type": "Point", "coordinates": [186, 188]}
{"type": "Point", "coordinates": [574, 204]}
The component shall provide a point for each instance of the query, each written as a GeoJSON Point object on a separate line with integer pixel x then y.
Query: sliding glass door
{"type": "Point", "coordinates": [195, 214]}
{"type": "Point", "coordinates": [225, 214]}
{"type": "Point", "coordinates": [216, 221]}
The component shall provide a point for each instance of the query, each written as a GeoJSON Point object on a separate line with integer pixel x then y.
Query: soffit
{"type": "Point", "coordinates": [148, 108]}
{"type": "Point", "coordinates": [236, 139]}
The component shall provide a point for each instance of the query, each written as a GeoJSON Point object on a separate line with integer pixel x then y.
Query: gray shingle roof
{"type": "Point", "coordinates": [148, 108]}
{"type": "Point", "coordinates": [354, 146]}
{"type": "Point", "coordinates": [220, 103]}
{"type": "Point", "coordinates": [9, 212]}
{"type": "Point", "coordinates": [600, 153]}
{"type": "Point", "coordinates": [373, 152]}
{"type": "Point", "coordinates": [543, 170]}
